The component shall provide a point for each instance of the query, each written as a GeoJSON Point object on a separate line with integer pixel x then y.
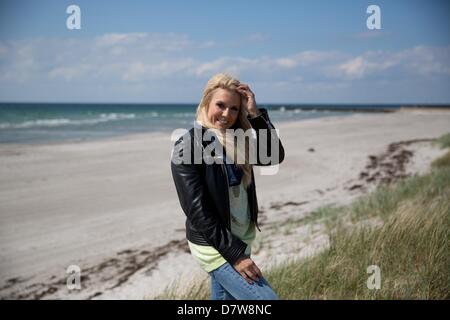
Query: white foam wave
{"type": "Point", "coordinates": [104, 117]}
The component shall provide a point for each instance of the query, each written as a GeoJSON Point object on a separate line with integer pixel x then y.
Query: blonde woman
{"type": "Point", "coordinates": [219, 198]}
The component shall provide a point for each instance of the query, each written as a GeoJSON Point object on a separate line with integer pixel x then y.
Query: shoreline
{"type": "Point", "coordinates": [347, 111]}
{"type": "Point", "coordinates": [110, 205]}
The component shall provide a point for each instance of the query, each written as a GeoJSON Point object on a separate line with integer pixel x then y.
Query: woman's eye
{"type": "Point", "coordinates": [220, 105]}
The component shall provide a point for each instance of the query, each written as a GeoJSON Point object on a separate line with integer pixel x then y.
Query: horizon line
{"type": "Point", "coordinates": [260, 103]}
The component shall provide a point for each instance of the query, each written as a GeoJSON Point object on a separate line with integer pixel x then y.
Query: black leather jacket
{"type": "Point", "coordinates": [203, 192]}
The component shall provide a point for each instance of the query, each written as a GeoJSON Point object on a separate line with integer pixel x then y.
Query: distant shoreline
{"type": "Point", "coordinates": [370, 108]}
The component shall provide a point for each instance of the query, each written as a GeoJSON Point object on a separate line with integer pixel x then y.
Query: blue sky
{"type": "Point", "coordinates": [287, 51]}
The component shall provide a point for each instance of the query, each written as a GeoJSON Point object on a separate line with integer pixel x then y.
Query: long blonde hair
{"type": "Point", "coordinates": [238, 151]}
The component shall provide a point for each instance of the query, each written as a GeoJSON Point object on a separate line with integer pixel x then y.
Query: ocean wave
{"type": "Point", "coordinates": [181, 115]}
{"type": "Point", "coordinates": [104, 117]}
{"type": "Point", "coordinates": [152, 114]}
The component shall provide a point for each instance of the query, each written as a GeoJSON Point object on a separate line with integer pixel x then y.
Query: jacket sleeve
{"type": "Point", "coordinates": [262, 122]}
{"type": "Point", "coordinates": [197, 205]}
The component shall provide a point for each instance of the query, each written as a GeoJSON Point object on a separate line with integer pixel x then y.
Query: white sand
{"type": "Point", "coordinates": [83, 203]}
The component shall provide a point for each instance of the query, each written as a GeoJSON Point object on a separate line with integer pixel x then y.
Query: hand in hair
{"type": "Point", "coordinates": [248, 99]}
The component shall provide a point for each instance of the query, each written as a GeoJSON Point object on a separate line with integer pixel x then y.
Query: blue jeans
{"type": "Point", "coordinates": [228, 284]}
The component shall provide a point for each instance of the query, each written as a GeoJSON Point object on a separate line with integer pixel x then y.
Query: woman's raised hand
{"type": "Point", "coordinates": [248, 99]}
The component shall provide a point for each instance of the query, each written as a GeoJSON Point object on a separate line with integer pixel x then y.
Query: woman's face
{"type": "Point", "coordinates": [224, 107]}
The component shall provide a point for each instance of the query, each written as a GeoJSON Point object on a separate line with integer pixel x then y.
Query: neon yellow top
{"type": "Point", "coordinates": [241, 226]}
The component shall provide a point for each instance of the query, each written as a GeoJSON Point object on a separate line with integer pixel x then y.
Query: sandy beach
{"type": "Point", "coordinates": [110, 206]}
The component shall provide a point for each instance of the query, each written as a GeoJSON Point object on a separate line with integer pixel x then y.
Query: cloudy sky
{"type": "Point", "coordinates": [288, 51]}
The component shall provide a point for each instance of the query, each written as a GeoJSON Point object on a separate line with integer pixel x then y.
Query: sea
{"type": "Point", "coordinates": [40, 123]}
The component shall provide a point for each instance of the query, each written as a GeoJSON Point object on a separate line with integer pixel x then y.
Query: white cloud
{"type": "Point", "coordinates": [428, 60]}
{"type": "Point", "coordinates": [420, 61]}
{"type": "Point", "coordinates": [139, 71]}
{"type": "Point", "coordinates": [112, 39]}
{"type": "Point", "coordinates": [362, 66]}
{"type": "Point", "coordinates": [286, 62]}
{"type": "Point", "coordinates": [68, 73]}
{"type": "Point", "coordinates": [233, 65]}
{"type": "Point", "coordinates": [265, 65]}
{"type": "Point", "coordinates": [146, 59]}
{"type": "Point", "coordinates": [147, 41]}
{"type": "Point", "coordinates": [307, 58]}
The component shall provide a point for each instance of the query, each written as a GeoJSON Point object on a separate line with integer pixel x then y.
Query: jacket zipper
{"type": "Point", "coordinates": [253, 215]}
{"type": "Point", "coordinates": [228, 196]}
